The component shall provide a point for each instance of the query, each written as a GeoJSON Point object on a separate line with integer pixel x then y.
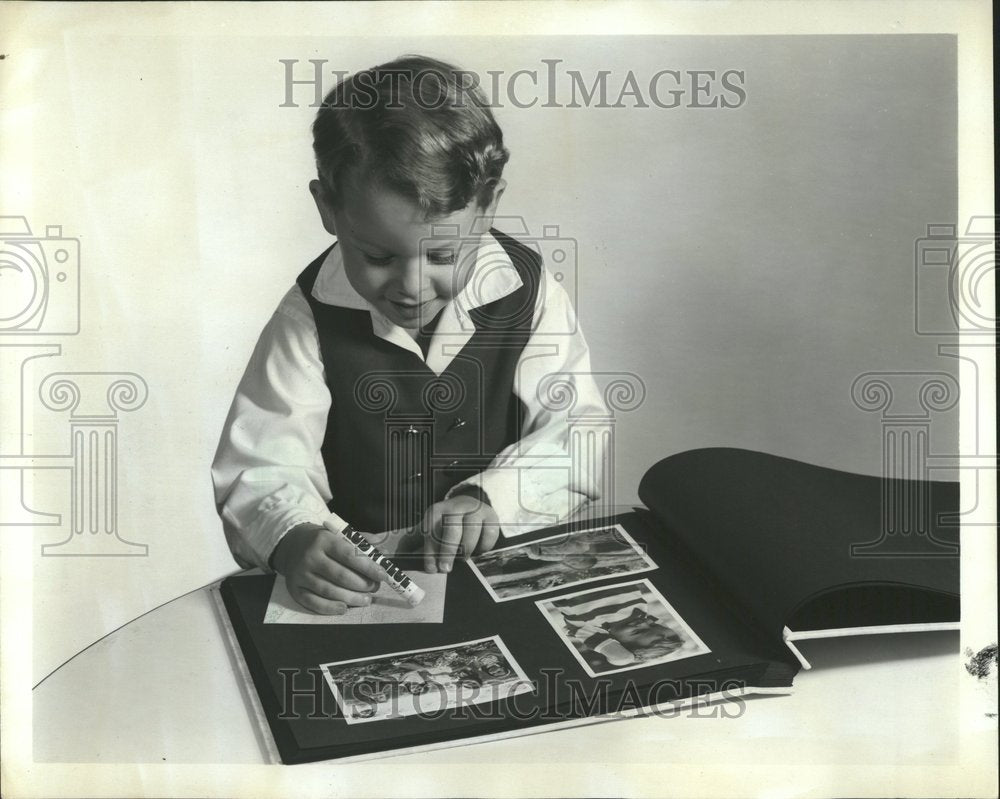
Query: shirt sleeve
{"type": "Point", "coordinates": [268, 471]}
{"type": "Point", "coordinates": [534, 482]}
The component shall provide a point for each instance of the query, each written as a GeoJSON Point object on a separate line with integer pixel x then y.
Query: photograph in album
{"type": "Point", "coordinates": [621, 627]}
{"type": "Point", "coordinates": [425, 681]}
{"type": "Point", "coordinates": [559, 562]}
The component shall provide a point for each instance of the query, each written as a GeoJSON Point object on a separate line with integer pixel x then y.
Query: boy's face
{"type": "Point", "coordinates": [391, 254]}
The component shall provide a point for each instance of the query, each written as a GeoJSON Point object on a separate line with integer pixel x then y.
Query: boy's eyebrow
{"type": "Point", "coordinates": [362, 240]}
{"type": "Point", "coordinates": [432, 245]}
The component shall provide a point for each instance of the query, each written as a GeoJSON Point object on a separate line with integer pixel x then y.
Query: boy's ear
{"type": "Point", "coordinates": [324, 204]}
{"type": "Point", "coordinates": [489, 212]}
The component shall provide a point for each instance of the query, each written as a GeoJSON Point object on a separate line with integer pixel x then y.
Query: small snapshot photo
{"type": "Point", "coordinates": [560, 561]}
{"type": "Point", "coordinates": [621, 627]}
{"type": "Point", "coordinates": [425, 681]}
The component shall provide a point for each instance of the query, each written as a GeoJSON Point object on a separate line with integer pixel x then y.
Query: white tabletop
{"type": "Point", "coordinates": [164, 689]}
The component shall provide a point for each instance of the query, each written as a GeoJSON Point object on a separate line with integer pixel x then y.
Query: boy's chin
{"type": "Point", "coordinates": [411, 320]}
{"type": "Point", "coordinates": [405, 322]}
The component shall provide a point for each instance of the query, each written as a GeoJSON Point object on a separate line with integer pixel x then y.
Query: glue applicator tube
{"type": "Point", "coordinates": [400, 581]}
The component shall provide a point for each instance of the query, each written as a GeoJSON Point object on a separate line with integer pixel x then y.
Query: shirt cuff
{"type": "Point", "coordinates": [273, 524]}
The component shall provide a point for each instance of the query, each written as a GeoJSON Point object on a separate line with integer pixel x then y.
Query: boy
{"type": "Point", "coordinates": [400, 381]}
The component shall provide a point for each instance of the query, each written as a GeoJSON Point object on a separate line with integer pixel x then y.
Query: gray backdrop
{"type": "Point", "coordinates": [749, 263]}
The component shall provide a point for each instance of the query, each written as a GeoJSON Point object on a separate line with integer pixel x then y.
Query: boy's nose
{"type": "Point", "coordinates": [409, 279]}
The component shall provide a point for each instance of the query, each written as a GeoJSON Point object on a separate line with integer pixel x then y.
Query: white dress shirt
{"type": "Point", "coordinates": [268, 471]}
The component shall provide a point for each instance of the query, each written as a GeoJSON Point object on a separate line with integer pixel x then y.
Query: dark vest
{"type": "Point", "coordinates": [398, 437]}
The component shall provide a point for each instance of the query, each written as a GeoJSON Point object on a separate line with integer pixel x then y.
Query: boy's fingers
{"type": "Point", "coordinates": [472, 532]}
{"type": "Point", "coordinates": [430, 564]}
{"type": "Point", "coordinates": [490, 536]}
{"type": "Point", "coordinates": [411, 542]}
{"type": "Point", "coordinates": [341, 551]}
{"type": "Point", "coordinates": [319, 604]}
{"type": "Point", "coordinates": [428, 528]}
{"type": "Point", "coordinates": [335, 593]}
{"type": "Point", "coordinates": [452, 531]}
{"type": "Point", "coordinates": [344, 565]}
{"type": "Point", "coordinates": [329, 571]}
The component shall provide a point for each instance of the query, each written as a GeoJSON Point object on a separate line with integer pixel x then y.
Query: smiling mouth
{"type": "Point", "coordinates": [408, 308]}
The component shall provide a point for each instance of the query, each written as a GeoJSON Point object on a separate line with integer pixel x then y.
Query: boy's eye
{"type": "Point", "coordinates": [377, 260]}
{"type": "Point", "coordinates": [441, 257]}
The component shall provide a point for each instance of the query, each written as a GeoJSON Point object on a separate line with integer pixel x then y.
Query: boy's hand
{"type": "Point", "coordinates": [461, 521]}
{"type": "Point", "coordinates": [323, 570]}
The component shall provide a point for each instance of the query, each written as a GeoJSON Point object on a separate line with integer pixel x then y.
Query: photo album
{"type": "Point", "coordinates": [696, 597]}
